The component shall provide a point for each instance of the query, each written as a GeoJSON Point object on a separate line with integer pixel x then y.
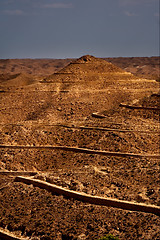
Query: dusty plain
{"type": "Point", "coordinates": [81, 104]}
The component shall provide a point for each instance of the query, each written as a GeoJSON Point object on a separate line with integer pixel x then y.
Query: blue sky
{"type": "Point", "coordinates": [72, 28]}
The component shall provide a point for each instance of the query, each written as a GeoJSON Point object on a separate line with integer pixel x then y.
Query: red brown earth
{"type": "Point", "coordinates": [40, 108]}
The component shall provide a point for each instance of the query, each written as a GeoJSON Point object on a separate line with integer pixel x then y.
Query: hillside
{"type": "Point", "coordinates": [91, 127]}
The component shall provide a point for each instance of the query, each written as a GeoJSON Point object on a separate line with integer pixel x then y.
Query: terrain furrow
{"type": "Point", "coordinates": [139, 107]}
{"type": "Point", "coordinates": [82, 150]}
{"type": "Point", "coordinates": [6, 235]}
{"type": "Point", "coordinates": [91, 199]}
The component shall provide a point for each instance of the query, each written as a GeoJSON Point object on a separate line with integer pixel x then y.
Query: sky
{"type": "Point", "coordinates": [72, 28]}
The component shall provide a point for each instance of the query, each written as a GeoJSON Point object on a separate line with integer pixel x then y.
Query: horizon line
{"type": "Point", "coordinates": [38, 58]}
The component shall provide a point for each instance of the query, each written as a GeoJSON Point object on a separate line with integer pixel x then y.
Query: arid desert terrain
{"type": "Point", "coordinates": [79, 148]}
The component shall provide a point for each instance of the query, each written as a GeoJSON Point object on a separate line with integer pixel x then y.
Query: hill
{"type": "Point", "coordinates": [92, 128]}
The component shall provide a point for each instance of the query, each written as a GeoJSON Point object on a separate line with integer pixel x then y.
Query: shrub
{"type": "Point", "coordinates": [108, 237]}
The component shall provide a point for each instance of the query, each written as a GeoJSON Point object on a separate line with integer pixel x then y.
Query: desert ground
{"type": "Point", "coordinates": [89, 128]}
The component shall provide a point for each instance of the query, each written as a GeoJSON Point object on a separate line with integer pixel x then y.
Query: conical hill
{"type": "Point", "coordinates": [87, 67]}
{"type": "Point", "coordinates": [89, 64]}
{"type": "Point", "coordinates": [93, 73]}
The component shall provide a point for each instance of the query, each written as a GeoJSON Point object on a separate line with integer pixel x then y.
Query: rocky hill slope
{"type": "Point", "coordinates": [56, 128]}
